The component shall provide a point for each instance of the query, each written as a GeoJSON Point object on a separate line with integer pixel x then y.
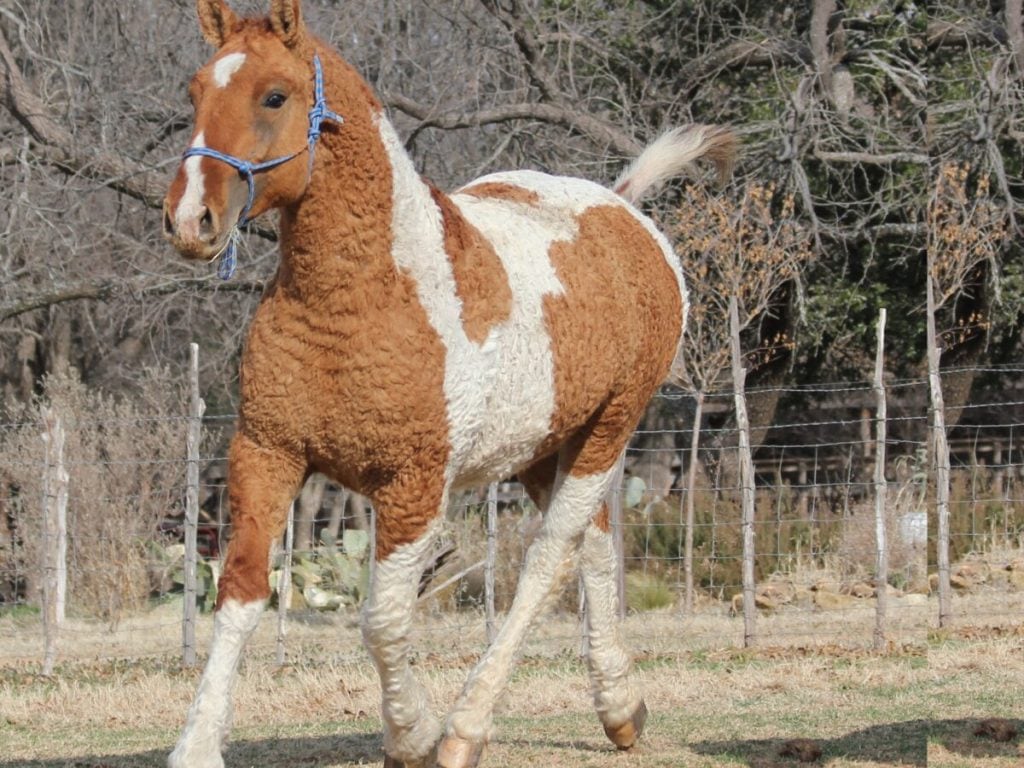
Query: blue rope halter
{"type": "Point", "coordinates": [246, 169]}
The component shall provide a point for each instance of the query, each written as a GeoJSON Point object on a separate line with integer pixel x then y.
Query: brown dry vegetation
{"type": "Point", "coordinates": [917, 704]}
{"type": "Point", "coordinates": [126, 475]}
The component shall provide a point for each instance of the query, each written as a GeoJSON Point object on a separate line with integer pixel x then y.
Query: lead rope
{"type": "Point", "coordinates": [317, 114]}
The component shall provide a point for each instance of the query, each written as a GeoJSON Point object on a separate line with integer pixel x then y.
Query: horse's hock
{"type": "Point", "coordinates": [473, 329]}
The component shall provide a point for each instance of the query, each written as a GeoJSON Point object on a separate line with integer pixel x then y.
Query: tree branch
{"type": "Point", "coordinates": [104, 290]}
{"type": "Point", "coordinates": [54, 145]}
{"type": "Point", "coordinates": [598, 130]}
{"type": "Point", "coordinates": [871, 159]}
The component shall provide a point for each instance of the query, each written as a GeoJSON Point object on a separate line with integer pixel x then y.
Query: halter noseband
{"type": "Point", "coordinates": [317, 115]}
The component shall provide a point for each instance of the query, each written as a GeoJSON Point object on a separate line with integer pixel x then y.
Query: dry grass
{"type": "Point", "coordinates": [712, 703]}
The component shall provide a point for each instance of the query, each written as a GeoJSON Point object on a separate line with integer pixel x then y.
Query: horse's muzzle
{"type": "Point", "coordinates": [196, 236]}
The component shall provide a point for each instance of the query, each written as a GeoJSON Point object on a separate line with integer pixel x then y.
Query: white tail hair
{"type": "Point", "coordinates": [672, 153]}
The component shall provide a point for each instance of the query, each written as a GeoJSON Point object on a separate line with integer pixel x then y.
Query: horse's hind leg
{"type": "Point", "coordinates": [578, 491]}
{"type": "Point", "coordinates": [261, 484]}
{"type": "Point", "coordinates": [618, 703]}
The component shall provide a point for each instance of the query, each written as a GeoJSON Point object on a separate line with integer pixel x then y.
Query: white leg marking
{"type": "Point", "coordinates": [190, 206]}
{"type": "Point", "coordinates": [615, 698]}
{"type": "Point", "coordinates": [571, 509]}
{"type": "Point", "coordinates": [225, 67]}
{"type": "Point", "coordinates": [410, 729]}
{"type": "Point", "coordinates": [209, 718]}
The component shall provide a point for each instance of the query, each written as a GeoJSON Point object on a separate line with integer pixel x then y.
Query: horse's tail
{"type": "Point", "coordinates": [672, 153]}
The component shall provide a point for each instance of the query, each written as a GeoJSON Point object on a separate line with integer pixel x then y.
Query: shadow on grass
{"type": "Point", "coordinates": [958, 736]}
{"type": "Point", "coordinates": [311, 751]}
{"type": "Point", "coordinates": [895, 744]}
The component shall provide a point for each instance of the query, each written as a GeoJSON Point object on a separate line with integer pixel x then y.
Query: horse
{"type": "Point", "coordinates": [413, 343]}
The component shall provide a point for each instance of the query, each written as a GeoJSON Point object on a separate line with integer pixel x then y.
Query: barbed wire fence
{"type": "Point", "coordinates": [110, 553]}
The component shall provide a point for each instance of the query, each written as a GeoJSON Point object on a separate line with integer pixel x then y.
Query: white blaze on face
{"type": "Point", "coordinates": [190, 207]}
{"type": "Point", "coordinates": [224, 68]}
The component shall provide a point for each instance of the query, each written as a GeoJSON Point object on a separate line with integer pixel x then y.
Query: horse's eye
{"type": "Point", "coordinates": [275, 100]}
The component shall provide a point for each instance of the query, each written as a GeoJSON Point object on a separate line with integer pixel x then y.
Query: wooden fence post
{"type": "Point", "coordinates": [55, 536]}
{"type": "Point", "coordinates": [491, 561]}
{"type": "Point", "coordinates": [882, 551]}
{"type": "Point", "coordinates": [284, 585]}
{"type": "Point", "coordinates": [192, 441]}
{"type": "Point", "coordinates": [940, 452]}
{"type": "Point", "coordinates": [691, 487]}
{"type": "Point", "coordinates": [746, 476]}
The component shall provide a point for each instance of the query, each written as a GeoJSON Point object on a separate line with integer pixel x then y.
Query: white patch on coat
{"type": "Point", "coordinates": [500, 394]}
{"type": "Point", "coordinates": [209, 717]}
{"type": "Point", "coordinates": [572, 507]}
{"type": "Point", "coordinates": [225, 67]}
{"type": "Point", "coordinates": [191, 206]}
{"type": "Point", "coordinates": [410, 729]}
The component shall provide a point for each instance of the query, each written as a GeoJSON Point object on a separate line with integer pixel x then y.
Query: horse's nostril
{"type": "Point", "coordinates": [168, 224]}
{"type": "Point", "coordinates": [206, 222]}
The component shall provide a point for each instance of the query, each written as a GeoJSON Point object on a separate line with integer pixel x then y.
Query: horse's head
{"type": "Point", "coordinates": [252, 102]}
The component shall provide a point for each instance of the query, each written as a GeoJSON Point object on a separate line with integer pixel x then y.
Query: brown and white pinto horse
{"type": "Point", "coordinates": [415, 342]}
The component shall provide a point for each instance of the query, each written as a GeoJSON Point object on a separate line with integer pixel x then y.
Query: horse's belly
{"type": "Point", "coordinates": [510, 415]}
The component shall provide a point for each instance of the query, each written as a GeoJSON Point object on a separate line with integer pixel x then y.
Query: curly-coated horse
{"type": "Point", "coordinates": [414, 342]}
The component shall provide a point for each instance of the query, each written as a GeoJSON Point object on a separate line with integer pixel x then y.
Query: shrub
{"type": "Point", "coordinates": [124, 459]}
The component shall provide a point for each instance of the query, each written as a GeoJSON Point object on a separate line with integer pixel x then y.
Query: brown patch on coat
{"type": "Point", "coordinates": [539, 480]}
{"type": "Point", "coordinates": [603, 519]}
{"type": "Point", "coordinates": [262, 483]}
{"type": "Point", "coordinates": [614, 334]}
{"type": "Point", "coordinates": [502, 191]}
{"type": "Point", "coordinates": [480, 278]}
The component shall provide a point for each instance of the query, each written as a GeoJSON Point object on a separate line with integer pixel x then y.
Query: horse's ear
{"type": "Point", "coordinates": [286, 20]}
{"type": "Point", "coordinates": [216, 20]}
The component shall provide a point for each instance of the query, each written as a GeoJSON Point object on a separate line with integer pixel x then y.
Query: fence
{"type": "Point", "coordinates": [130, 479]}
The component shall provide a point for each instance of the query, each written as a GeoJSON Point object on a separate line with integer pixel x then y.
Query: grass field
{"type": "Point", "coordinates": [919, 704]}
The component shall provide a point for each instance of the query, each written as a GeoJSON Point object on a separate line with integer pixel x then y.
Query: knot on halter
{"type": "Point", "coordinates": [320, 111]}
{"type": "Point", "coordinates": [246, 169]}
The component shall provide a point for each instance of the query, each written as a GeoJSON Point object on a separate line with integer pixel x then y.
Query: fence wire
{"type": "Point", "coordinates": [814, 533]}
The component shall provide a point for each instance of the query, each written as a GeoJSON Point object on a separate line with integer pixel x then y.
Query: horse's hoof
{"type": "Point", "coordinates": [625, 736]}
{"type": "Point", "coordinates": [459, 753]}
{"type": "Point", "coordinates": [429, 761]}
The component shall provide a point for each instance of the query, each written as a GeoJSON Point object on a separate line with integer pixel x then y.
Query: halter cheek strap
{"type": "Point", "coordinates": [247, 170]}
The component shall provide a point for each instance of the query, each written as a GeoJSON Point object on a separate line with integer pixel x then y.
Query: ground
{"type": "Point", "coordinates": [712, 703]}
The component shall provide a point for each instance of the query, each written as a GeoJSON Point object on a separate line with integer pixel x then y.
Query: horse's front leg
{"type": "Point", "coordinates": [408, 521]}
{"type": "Point", "coordinates": [261, 484]}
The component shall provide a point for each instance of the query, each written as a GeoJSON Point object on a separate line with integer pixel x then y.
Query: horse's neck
{"type": "Point", "coordinates": [365, 205]}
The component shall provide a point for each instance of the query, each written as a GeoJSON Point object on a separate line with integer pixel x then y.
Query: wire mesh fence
{"type": "Point", "coordinates": [815, 553]}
